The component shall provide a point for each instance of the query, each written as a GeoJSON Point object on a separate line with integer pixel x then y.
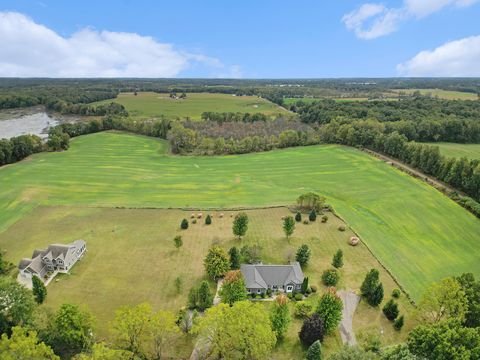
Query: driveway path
{"type": "Point", "coordinates": [350, 301]}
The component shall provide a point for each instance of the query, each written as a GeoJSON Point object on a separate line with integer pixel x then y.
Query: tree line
{"type": "Point", "coordinates": [420, 119]}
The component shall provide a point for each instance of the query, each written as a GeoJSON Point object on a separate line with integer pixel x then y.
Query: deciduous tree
{"type": "Point", "coordinates": [240, 225]}
{"type": "Point", "coordinates": [288, 226]}
{"type": "Point", "coordinates": [280, 316]}
{"type": "Point", "coordinates": [241, 332]}
{"type": "Point", "coordinates": [24, 345]}
{"type": "Point", "coordinates": [216, 262]}
{"type": "Point", "coordinates": [330, 310]}
{"type": "Point", "coordinates": [233, 287]}
{"type": "Point", "coordinates": [312, 330]}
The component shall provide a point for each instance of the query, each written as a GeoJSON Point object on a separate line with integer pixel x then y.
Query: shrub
{"type": "Point", "coordinates": [312, 216]}
{"type": "Point", "coordinates": [298, 297]}
{"type": "Point", "coordinates": [396, 293]}
{"type": "Point", "coordinates": [398, 324]}
{"type": "Point", "coordinates": [298, 217]}
{"type": "Point", "coordinates": [263, 295]}
{"type": "Point", "coordinates": [303, 309]}
{"type": "Point", "coordinates": [253, 295]}
{"type": "Point", "coordinates": [290, 295]}
{"type": "Point", "coordinates": [330, 277]}
{"type": "Point", "coordinates": [208, 220]}
{"type": "Point", "coordinates": [337, 260]}
{"type": "Point", "coordinates": [269, 292]}
{"type": "Point", "coordinates": [390, 310]}
{"type": "Point", "coordinates": [312, 330]}
{"type": "Point", "coordinates": [194, 221]}
{"type": "Point", "coordinates": [184, 224]}
{"type": "Point", "coordinates": [342, 228]}
{"type": "Point", "coordinates": [306, 222]}
{"type": "Point", "coordinates": [178, 242]}
{"type": "Point", "coordinates": [324, 218]}
{"type": "Point", "coordinates": [313, 288]}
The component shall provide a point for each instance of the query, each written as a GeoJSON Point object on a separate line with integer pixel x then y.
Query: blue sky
{"type": "Point", "coordinates": [250, 39]}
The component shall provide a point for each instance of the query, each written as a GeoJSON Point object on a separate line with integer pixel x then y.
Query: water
{"type": "Point", "coordinates": [35, 120]}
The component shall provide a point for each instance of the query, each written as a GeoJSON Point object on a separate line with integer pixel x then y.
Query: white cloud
{"type": "Point", "coordinates": [373, 20]}
{"type": "Point", "coordinates": [29, 49]}
{"type": "Point", "coordinates": [454, 58]}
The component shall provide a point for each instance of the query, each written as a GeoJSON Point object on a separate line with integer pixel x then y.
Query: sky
{"type": "Point", "coordinates": [239, 39]}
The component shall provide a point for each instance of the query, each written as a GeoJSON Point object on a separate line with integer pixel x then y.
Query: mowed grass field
{"type": "Point", "coordinates": [417, 233]}
{"type": "Point", "coordinates": [470, 151]}
{"type": "Point", "coordinates": [131, 259]}
{"type": "Point", "coordinates": [150, 104]}
{"type": "Point", "coordinates": [442, 94]}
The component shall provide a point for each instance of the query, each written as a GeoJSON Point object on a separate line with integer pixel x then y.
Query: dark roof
{"type": "Point", "coordinates": [260, 276]}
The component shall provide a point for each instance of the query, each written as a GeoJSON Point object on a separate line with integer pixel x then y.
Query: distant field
{"type": "Point", "coordinates": [289, 101]}
{"type": "Point", "coordinates": [149, 104]}
{"type": "Point", "coordinates": [470, 151]}
{"type": "Point", "coordinates": [131, 259]}
{"type": "Point", "coordinates": [443, 94]}
{"type": "Point", "coordinates": [417, 232]}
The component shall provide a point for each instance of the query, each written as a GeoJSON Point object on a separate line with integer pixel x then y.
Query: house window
{"type": "Point", "coordinates": [258, 291]}
{"type": "Point", "coordinates": [289, 288]}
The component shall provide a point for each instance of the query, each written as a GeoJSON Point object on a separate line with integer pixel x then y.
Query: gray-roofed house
{"type": "Point", "coordinates": [56, 258]}
{"type": "Point", "coordinates": [260, 277]}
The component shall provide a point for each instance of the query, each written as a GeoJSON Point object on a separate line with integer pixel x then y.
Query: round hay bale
{"type": "Point", "coordinates": [192, 216]}
{"type": "Point", "coordinates": [354, 241]}
{"type": "Point", "coordinates": [221, 215]}
{"type": "Point", "coordinates": [199, 216]}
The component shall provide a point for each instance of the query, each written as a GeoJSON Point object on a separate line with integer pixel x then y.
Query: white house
{"type": "Point", "coordinates": [56, 258]}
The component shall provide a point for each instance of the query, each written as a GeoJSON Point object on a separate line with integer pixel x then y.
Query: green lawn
{"type": "Point", "coordinates": [470, 151]}
{"type": "Point", "coordinates": [149, 104]}
{"type": "Point", "coordinates": [442, 94]}
{"type": "Point", "coordinates": [417, 232]}
{"type": "Point", "coordinates": [131, 259]}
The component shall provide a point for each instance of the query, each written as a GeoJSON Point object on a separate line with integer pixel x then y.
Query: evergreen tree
{"type": "Point", "coordinates": [312, 330]}
{"type": "Point", "coordinates": [178, 241]}
{"type": "Point", "coordinates": [398, 324]}
{"type": "Point", "coordinates": [208, 220]}
{"type": "Point", "coordinates": [377, 297]}
{"type": "Point", "coordinates": [390, 310]}
{"type": "Point", "coordinates": [205, 296]}
{"type": "Point", "coordinates": [372, 288]}
{"type": "Point", "coordinates": [240, 225]}
{"type": "Point", "coordinates": [315, 351]}
{"type": "Point", "coordinates": [39, 289]}
{"type": "Point", "coordinates": [298, 217]}
{"type": "Point", "coordinates": [184, 224]}
{"type": "Point", "coordinates": [305, 284]}
{"type": "Point", "coordinates": [312, 216]}
{"type": "Point", "coordinates": [337, 261]}
{"type": "Point", "coordinates": [234, 258]}
{"type": "Point", "coordinates": [303, 255]}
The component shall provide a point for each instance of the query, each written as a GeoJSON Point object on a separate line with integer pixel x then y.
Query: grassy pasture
{"type": "Point", "coordinates": [131, 259]}
{"type": "Point", "coordinates": [418, 233]}
{"type": "Point", "coordinates": [149, 104]}
{"type": "Point", "coordinates": [442, 94]}
{"type": "Point", "coordinates": [470, 151]}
